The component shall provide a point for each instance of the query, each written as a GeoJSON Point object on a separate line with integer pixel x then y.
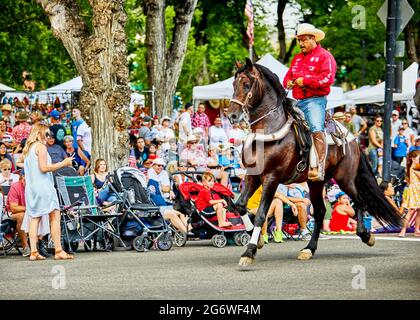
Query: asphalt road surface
{"type": "Point", "coordinates": [343, 268]}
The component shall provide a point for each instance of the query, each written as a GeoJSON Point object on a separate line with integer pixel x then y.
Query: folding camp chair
{"type": "Point", "coordinates": [82, 219]}
{"type": "Point", "coordinates": [8, 234]}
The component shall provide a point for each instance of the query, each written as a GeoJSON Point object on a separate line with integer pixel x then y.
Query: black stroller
{"type": "Point", "coordinates": [142, 223]}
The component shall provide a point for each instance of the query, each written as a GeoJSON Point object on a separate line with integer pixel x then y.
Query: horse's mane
{"type": "Point", "coordinates": [274, 80]}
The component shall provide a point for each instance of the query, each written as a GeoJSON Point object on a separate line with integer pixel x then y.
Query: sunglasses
{"type": "Point", "coordinates": [160, 165]}
{"type": "Point", "coordinates": [7, 169]}
{"type": "Point", "coordinates": [405, 123]}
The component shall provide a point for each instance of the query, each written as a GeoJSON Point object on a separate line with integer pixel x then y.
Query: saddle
{"type": "Point", "coordinates": [336, 134]}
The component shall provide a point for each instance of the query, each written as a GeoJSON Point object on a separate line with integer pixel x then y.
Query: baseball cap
{"type": "Point", "coordinates": [340, 194]}
{"type": "Point", "coordinates": [55, 114]}
{"type": "Point", "coordinates": [147, 119]}
{"type": "Point", "coordinates": [395, 112]}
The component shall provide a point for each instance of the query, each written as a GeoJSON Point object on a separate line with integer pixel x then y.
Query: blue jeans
{"type": "Point", "coordinates": [373, 157]}
{"type": "Point", "coordinates": [105, 195]}
{"type": "Point", "coordinates": [314, 110]}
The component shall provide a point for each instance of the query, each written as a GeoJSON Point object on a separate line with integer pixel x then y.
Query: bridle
{"type": "Point", "coordinates": [246, 106]}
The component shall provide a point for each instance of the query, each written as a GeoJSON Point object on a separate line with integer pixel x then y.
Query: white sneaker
{"type": "Point", "coordinates": [26, 252]}
{"type": "Point", "coordinates": [306, 236]}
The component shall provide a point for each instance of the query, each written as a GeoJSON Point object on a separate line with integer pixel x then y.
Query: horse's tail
{"type": "Point", "coordinates": [371, 197]}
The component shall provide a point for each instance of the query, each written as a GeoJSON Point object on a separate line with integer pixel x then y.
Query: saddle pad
{"type": "Point", "coordinates": [349, 136]}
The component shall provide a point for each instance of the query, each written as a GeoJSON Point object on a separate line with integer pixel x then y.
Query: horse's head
{"type": "Point", "coordinates": [247, 90]}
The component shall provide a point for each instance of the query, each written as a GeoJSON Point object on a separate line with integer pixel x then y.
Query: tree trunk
{"type": "Point", "coordinates": [410, 42]}
{"type": "Point", "coordinates": [100, 59]}
{"type": "Point", "coordinates": [280, 28]}
{"type": "Point", "coordinates": [164, 64]}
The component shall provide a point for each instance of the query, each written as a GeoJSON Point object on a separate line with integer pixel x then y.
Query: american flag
{"type": "Point", "coordinates": [249, 12]}
{"type": "Point", "coordinates": [132, 159]}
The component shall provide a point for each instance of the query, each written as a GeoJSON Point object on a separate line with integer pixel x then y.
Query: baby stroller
{"type": "Point", "coordinates": [204, 224]}
{"type": "Point", "coordinates": [142, 223]}
{"type": "Point", "coordinates": [82, 219]}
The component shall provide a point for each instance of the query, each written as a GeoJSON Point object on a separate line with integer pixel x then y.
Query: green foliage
{"type": "Point", "coordinates": [27, 43]}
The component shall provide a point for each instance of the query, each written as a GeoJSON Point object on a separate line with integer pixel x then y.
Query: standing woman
{"type": "Point", "coordinates": [411, 199]}
{"type": "Point", "coordinates": [42, 207]}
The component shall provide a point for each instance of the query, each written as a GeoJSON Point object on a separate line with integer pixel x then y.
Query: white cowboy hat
{"type": "Point", "coordinates": [191, 138]}
{"type": "Point", "coordinates": [159, 161]}
{"type": "Point", "coordinates": [166, 118]}
{"type": "Point", "coordinates": [306, 28]}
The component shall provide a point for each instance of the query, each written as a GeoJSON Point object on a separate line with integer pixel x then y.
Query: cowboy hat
{"type": "Point", "coordinates": [22, 116]}
{"type": "Point", "coordinates": [191, 138]}
{"type": "Point", "coordinates": [159, 161]}
{"type": "Point", "coordinates": [306, 28]}
{"type": "Point", "coordinates": [166, 118]}
{"type": "Point", "coordinates": [6, 107]}
{"type": "Point", "coordinates": [339, 116]}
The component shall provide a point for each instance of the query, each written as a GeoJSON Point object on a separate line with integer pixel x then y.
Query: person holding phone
{"type": "Point", "coordinates": [42, 206]}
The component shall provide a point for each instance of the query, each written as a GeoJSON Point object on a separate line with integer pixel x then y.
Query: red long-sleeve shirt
{"type": "Point", "coordinates": [317, 68]}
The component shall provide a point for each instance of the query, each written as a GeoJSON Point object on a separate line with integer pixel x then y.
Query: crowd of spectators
{"type": "Point", "coordinates": [191, 141]}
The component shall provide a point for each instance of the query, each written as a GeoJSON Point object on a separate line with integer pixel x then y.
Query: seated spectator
{"type": "Point", "coordinates": [172, 153]}
{"type": "Point", "coordinates": [159, 185]}
{"type": "Point", "coordinates": [180, 178]}
{"type": "Point", "coordinates": [55, 151]}
{"type": "Point", "coordinates": [5, 155]}
{"type": "Point", "coordinates": [22, 130]}
{"type": "Point", "coordinates": [296, 194]}
{"type": "Point", "coordinates": [416, 145]}
{"type": "Point", "coordinates": [157, 173]}
{"type": "Point", "coordinates": [192, 155]}
{"type": "Point", "coordinates": [152, 152]}
{"type": "Point", "coordinates": [342, 214]}
{"type": "Point", "coordinates": [236, 136]}
{"type": "Point", "coordinates": [166, 134]}
{"type": "Point", "coordinates": [18, 153]}
{"type": "Point", "coordinates": [5, 137]}
{"type": "Point", "coordinates": [208, 201]}
{"type": "Point", "coordinates": [7, 178]}
{"type": "Point", "coordinates": [217, 135]}
{"type": "Point", "coordinates": [276, 209]}
{"type": "Point", "coordinates": [16, 205]}
{"type": "Point", "coordinates": [99, 177]}
{"type": "Point", "coordinates": [81, 161]}
{"type": "Point", "coordinates": [215, 168]}
{"type": "Point", "coordinates": [141, 152]}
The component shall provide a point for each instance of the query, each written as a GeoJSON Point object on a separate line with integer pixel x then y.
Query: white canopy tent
{"type": "Point", "coordinates": [3, 87]}
{"type": "Point", "coordinates": [74, 84]}
{"type": "Point", "coordinates": [376, 94]}
{"type": "Point", "coordinates": [224, 89]}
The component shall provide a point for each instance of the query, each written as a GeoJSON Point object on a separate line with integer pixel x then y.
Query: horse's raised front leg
{"type": "Point", "coordinates": [269, 188]}
{"type": "Point", "coordinates": [252, 182]}
{"type": "Point", "coordinates": [317, 199]}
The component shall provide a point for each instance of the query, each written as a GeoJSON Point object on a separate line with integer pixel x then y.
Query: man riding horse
{"type": "Point", "coordinates": [311, 74]}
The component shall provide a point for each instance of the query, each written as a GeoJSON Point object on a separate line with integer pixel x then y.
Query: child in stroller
{"type": "Point", "coordinates": [209, 201]}
{"type": "Point", "coordinates": [206, 224]}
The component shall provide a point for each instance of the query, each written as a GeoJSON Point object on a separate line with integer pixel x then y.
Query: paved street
{"type": "Point", "coordinates": [200, 271]}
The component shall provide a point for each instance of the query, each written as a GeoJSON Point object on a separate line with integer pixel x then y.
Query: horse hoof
{"type": "Point", "coordinates": [371, 241]}
{"type": "Point", "coordinates": [260, 243]}
{"type": "Point", "coordinates": [245, 261]}
{"type": "Point", "coordinates": [305, 254]}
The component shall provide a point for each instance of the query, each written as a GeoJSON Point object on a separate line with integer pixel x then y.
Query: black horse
{"type": "Point", "coordinates": [261, 99]}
